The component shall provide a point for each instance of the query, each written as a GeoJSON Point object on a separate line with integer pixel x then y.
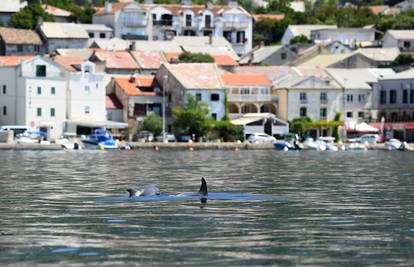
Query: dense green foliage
{"type": "Point", "coordinates": [300, 39]}
{"type": "Point", "coordinates": [192, 118]}
{"type": "Point", "coordinates": [225, 131]}
{"type": "Point", "coordinates": [188, 57]}
{"type": "Point", "coordinates": [28, 16]}
{"type": "Point", "coordinates": [302, 125]}
{"type": "Point", "coordinates": [152, 123]}
{"type": "Point", "coordinates": [403, 60]}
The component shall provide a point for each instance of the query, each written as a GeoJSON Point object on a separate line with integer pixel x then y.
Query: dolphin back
{"type": "Point", "coordinates": [203, 189]}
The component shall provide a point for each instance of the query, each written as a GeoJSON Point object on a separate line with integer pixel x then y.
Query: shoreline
{"type": "Point", "coordinates": [168, 146]}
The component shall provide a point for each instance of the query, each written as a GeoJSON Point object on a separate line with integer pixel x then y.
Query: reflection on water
{"type": "Point", "coordinates": [264, 208]}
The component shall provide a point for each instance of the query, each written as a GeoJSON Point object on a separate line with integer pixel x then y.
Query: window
{"type": "Point", "coordinates": [302, 111]}
{"type": "Point", "coordinates": [53, 91]}
{"type": "Point", "coordinates": [323, 113]}
{"type": "Point", "coordinates": [91, 35]}
{"type": "Point", "coordinates": [227, 35]}
{"type": "Point", "coordinates": [361, 114]}
{"type": "Point", "coordinates": [361, 98]}
{"type": "Point", "coordinates": [199, 97]}
{"type": "Point", "coordinates": [240, 37]}
{"type": "Point", "coordinates": [52, 112]}
{"type": "Point", "coordinates": [245, 91]}
{"type": "Point", "coordinates": [405, 97]}
{"type": "Point", "coordinates": [214, 115]}
{"type": "Point", "coordinates": [393, 96]}
{"type": "Point", "coordinates": [39, 90]}
{"type": "Point", "coordinates": [87, 90]}
{"type": "Point", "coordinates": [406, 44]}
{"type": "Point", "coordinates": [188, 20]}
{"type": "Point", "coordinates": [349, 114]}
{"type": "Point", "coordinates": [302, 97]}
{"type": "Point", "coordinates": [4, 89]}
{"type": "Point", "coordinates": [102, 35]}
{"type": "Point", "coordinates": [215, 97]}
{"type": "Point", "coordinates": [87, 69]}
{"type": "Point", "coordinates": [41, 71]}
{"type": "Point", "coordinates": [87, 110]}
{"type": "Point", "coordinates": [411, 96]}
{"type": "Point", "coordinates": [19, 48]}
{"type": "Point", "coordinates": [383, 97]}
{"type": "Point", "coordinates": [208, 21]}
{"type": "Point", "coordinates": [4, 110]}
{"type": "Point", "coordinates": [283, 56]}
{"type": "Point", "coordinates": [324, 96]}
{"type": "Point", "coordinates": [39, 112]}
{"type": "Point", "coordinates": [349, 98]}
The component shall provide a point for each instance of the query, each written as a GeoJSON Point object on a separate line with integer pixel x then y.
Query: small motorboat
{"type": "Point", "coordinates": [357, 146]}
{"type": "Point", "coordinates": [32, 137]}
{"type": "Point", "coordinates": [100, 139]}
{"type": "Point", "coordinates": [283, 145]}
{"type": "Point", "coordinates": [317, 145]}
{"type": "Point", "coordinates": [395, 144]}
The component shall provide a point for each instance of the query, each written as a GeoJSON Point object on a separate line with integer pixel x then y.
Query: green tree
{"type": "Point", "coordinates": [403, 60]}
{"type": "Point", "coordinates": [28, 16]}
{"type": "Point", "coordinates": [152, 123]}
{"type": "Point", "coordinates": [193, 118]}
{"type": "Point", "coordinates": [300, 125]}
{"type": "Point", "coordinates": [188, 57]}
{"type": "Point", "coordinates": [226, 131]}
{"type": "Point", "coordinates": [300, 39]}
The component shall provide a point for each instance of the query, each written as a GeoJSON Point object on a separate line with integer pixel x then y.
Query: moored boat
{"type": "Point", "coordinates": [100, 139]}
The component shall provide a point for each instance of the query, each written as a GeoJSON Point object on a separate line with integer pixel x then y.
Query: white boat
{"type": "Point", "coordinates": [357, 146]}
{"type": "Point", "coordinates": [101, 139]}
{"type": "Point", "coordinates": [69, 141]}
{"type": "Point", "coordinates": [395, 144]}
{"type": "Point", "coordinates": [317, 145]}
{"type": "Point", "coordinates": [32, 137]}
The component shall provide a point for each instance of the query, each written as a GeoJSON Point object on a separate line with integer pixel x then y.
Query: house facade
{"type": "Point", "coordinates": [353, 37]}
{"type": "Point", "coordinates": [305, 30]}
{"type": "Point", "coordinates": [269, 55]}
{"type": "Point", "coordinates": [34, 94]}
{"type": "Point", "coordinates": [402, 39]}
{"type": "Point", "coordinates": [249, 94]}
{"type": "Point", "coordinates": [19, 42]}
{"type": "Point", "coordinates": [149, 21]}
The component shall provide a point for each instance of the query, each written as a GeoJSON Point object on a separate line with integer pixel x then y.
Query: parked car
{"type": "Point", "coordinates": [261, 138]}
{"type": "Point", "coordinates": [369, 138]}
{"type": "Point", "coordinates": [168, 136]}
{"type": "Point", "coordinates": [185, 138]}
{"type": "Point", "coordinates": [145, 136]}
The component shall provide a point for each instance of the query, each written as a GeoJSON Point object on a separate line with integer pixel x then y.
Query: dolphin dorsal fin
{"type": "Point", "coordinates": [203, 189]}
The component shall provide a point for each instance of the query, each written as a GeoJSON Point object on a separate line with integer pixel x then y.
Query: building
{"type": "Point", "coordinates": [114, 108]}
{"type": "Point", "coordinates": [356, 84]}
{"type": "Point", "coordinates": [19, 42]}
{"type": "Point", "coordinates": [343, 61]}
{"type": "Point", "coordinates": [97, 31]}
{"type": "Point", "coordinates": [402, 39]}
{"type": "Point", "coordinates": [140, 96]}
{"type": "Point", "coordinates": [60, 15]}
{"type": "Point", "coordinates": [305, 30]}
{"type": "Point", "coordinates": [383, 57]}
{"type": "Point", "coordinates": [33, 93]}
{"type": "Point", "coordinates": [86, 96]}
{"type": "Point", "coordinates": [115, 62]}
{"type": "Point", "coordinates": [201, 80]}
{"type": "Point", "coordinates": [384, 10]}
{"type": "Point", "coordinates": [62, 35]}
{"type": "Point", "coordinates": [269, 55]}
{"type": "Point", "coordinates": [405, 5]}
{"type": "Point", "coordinates": [149, 21]}
{"type": "Point", "coordinates": [8, 8]}
{"type": "Point", "coordinates": [249, 93]}
{"type": "Point", "coordinates": [261, 123]}
{"type": "Point", "coordinates": [353, 37]}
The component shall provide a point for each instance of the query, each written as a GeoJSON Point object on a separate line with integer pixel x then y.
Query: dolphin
{"type": "Point", "coordinates": [202, 193]}
{"type": "Point", "coordinates": [148, 190]}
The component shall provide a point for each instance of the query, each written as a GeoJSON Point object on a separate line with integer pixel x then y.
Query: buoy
{"type": "Point", "coordinates": [191, 148]}
{"type": "Point", "coordinates": [101, 147]}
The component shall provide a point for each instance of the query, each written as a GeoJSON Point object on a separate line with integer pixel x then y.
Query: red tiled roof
{"type": "Point", "coordinates": [149, 59]}
{"type": "Point", "coordinates": [11, 61]}
{"type": "Point", "coordinates": [380, 9]}
{"type": "Point", "coordinates": [132, 88]}
{"type": "Point", "coordinates": [112, 102]}
{"type": "Point", "coordinates": [220, 60]}
{"type": "Point", "coordinates": [269, 16]}
{"type": "Point", "coordinates": [55, 11]}
{"type": "Point", "coordinates": [246, 80]}
{"type": "Point", "coordinates": [171, 55]}
{"type": "Point", "coordinates": [117, 59]}
{"type": "Point", "coordinates": [115, 7]}
{"type": "Point", "coordinates": [69, 62]}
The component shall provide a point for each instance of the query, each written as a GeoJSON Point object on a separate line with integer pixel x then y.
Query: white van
{"type": "Point", "coordinates": [17, 129]}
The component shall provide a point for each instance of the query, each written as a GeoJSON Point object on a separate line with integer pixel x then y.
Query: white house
{"type": "Point", "coordinates": [97, 31]}
{"type": "Point", "coordinates": [402, 39]}
{"type": "Point", "coordinates": [132, 20]}
{"type": "Point", "coordinates": [305, 30]}
{"type": "Point", "coordinates": [352, 37]}
{"type": "Point", "coordinates": [8, 8]}
{"type": "Point", "coordinates": [34, 94]}
{"type": "Point", "coordinates": [63, 35]}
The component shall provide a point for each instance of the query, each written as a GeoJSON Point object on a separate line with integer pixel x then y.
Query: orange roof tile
{"type": "Point", "coordinates": [224, 60]}
{"type": "Point", "coordinates": [11, 61]}
{"type": "Point", "coordinates": [69, 62]}
{"type": "Point", "coordinates": [132, 88]}
{"type": "Point", "coordinates": [115, 7]}
{"type": "Point", "coordinates": [171, 55]}
{"type": "Point", "coordinates": [55, 11]}
{"type": "Point", "coordinates": [117, 59]}
{"type": "Point", "coordinates": [246, 80]}
{"type": "Point", "coordinates": [149, 59]}
{"type": "Point", "coordinates": [380, 10]}
{"type": "Point", "coordinates": [269, 16]}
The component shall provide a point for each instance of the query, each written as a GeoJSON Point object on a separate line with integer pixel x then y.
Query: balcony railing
{"type": "Point", "coordinates": [251, 98]}
{"type": "Point", "coordinates": [235, 24]}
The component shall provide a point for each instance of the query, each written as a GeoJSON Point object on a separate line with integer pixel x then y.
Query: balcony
{"type": "Point", "coordinates": [163, 23]}
{"type": "Point", "coordinates": [134, 23]}
{"type": "Point", "coordinates": [235, 25]}
{"type": "Point", "coordinates": [251, 98]}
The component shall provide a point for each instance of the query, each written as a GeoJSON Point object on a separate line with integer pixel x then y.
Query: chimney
{"type": "Point", "coordinates": [210, 39]}
{"type": "Point", "coordinates": [52, 56]}
{"type": "Point", "coordinates": [108, 7]}
{"type": "Point", "coordinates": [133, 46]}
{"type": "Point", "coordinates": [39, 21]}
{"type": "Point", "coordinates": [132, 79]}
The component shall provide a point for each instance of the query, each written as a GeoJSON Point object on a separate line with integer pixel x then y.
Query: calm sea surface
{"type": "Point", "coordinates": [267, 208]}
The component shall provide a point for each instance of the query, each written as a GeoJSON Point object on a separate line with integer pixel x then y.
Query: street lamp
{"type": "Point", "coordinates": [164, 87]}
